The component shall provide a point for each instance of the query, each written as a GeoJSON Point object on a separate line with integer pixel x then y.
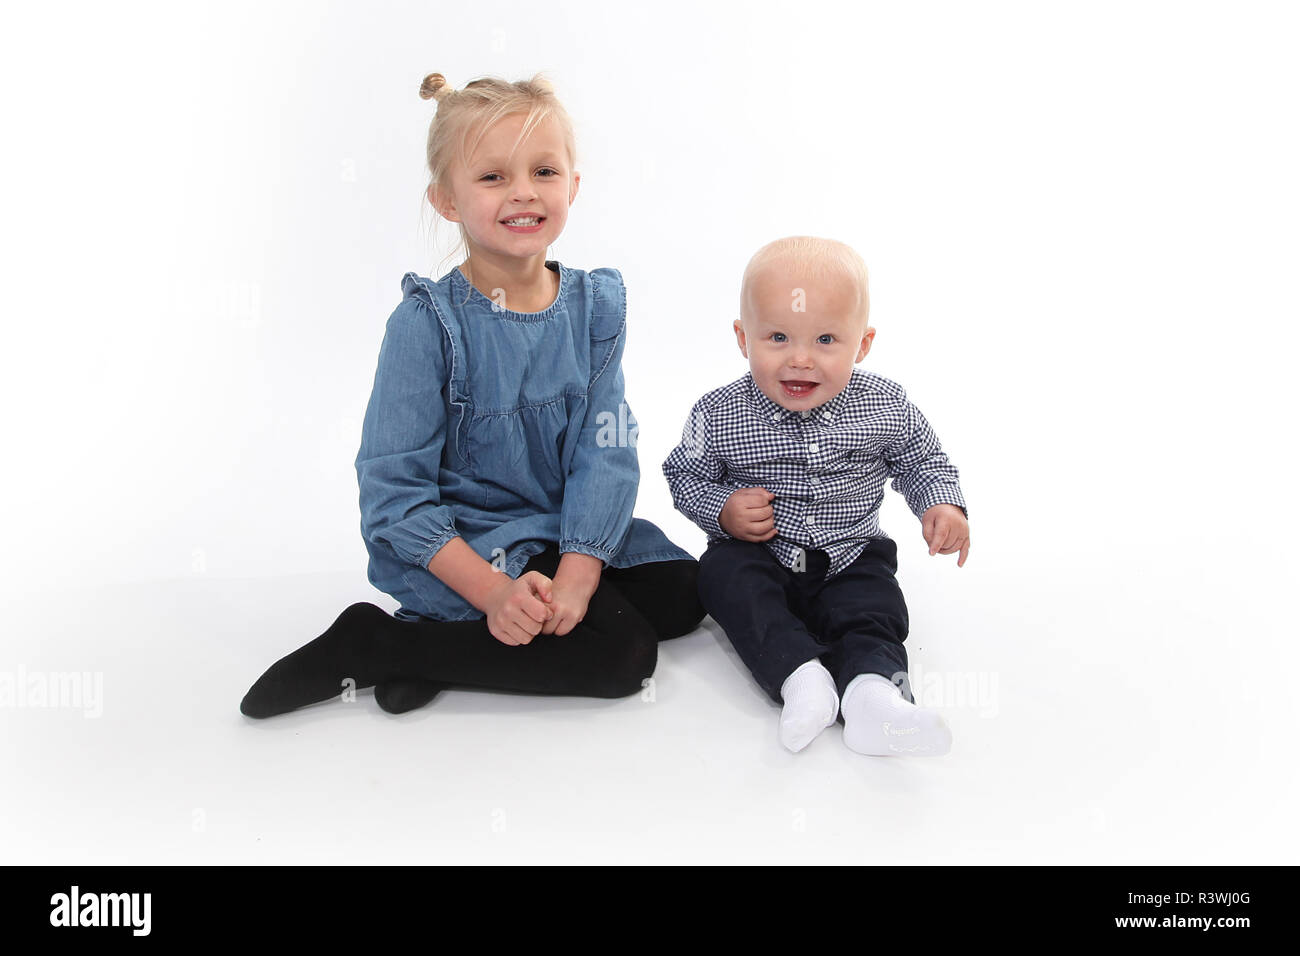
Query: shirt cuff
{"type": "Point", "coordinates": [938, 495]}
{"type": "Point", "coordinates": [709, 507]}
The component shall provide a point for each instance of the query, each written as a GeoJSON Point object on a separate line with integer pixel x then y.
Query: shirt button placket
{"type": "Point", "coordinates": [808, 519]}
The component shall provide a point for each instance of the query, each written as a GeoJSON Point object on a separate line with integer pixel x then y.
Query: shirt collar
{"type": "Point", "coordinates": [770, 411]}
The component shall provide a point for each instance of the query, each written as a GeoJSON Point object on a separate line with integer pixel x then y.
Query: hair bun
{"type": "Point", "coordinates": [435, 87]}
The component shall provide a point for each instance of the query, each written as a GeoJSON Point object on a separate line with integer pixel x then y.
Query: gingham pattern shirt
{"type": "Point", "coordinates": [827, 466]}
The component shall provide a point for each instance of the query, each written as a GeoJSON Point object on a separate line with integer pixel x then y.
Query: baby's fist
{"type": "Point", "coordinates": [748, 515]}
{"type": "Point", "coordinates": [945, 530]}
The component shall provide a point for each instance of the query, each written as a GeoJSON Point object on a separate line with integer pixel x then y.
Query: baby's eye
{"type": "Point", "coordinates": [775, 334]}
{"type": "Point", "coordinates": [825, 336]}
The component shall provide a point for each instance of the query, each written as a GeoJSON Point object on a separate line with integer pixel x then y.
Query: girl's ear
{"type": "Point", "coordinates": [573, 192]}
{"type": "Point", "coordinates": [443, 203]}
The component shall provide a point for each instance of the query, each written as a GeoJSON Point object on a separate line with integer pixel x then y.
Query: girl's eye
{"type": "Point", "coordinates": [543, 170]}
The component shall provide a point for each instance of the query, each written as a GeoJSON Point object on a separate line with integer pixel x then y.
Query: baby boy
{"type": "Point", "coordinates": [785, 469]}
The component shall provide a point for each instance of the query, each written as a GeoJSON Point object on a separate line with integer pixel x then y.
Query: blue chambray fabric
{"type": "Point", "coordinates": [507, 429]}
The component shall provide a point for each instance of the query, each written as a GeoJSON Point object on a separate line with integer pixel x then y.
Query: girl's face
{"type": "Point", "coordinates": [492, 190]}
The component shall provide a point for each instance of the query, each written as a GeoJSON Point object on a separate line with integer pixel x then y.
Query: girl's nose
{"type": "Point", "coordinates": [525, 191]}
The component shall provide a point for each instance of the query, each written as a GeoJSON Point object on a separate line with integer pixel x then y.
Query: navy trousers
{"type": "Point", "coordinates": [777, 619]}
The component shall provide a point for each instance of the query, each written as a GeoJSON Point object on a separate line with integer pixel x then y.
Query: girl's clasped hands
{"type": "Point", "coordinates": [521, 608]}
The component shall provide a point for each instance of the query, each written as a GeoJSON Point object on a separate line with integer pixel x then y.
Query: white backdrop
{"type": "Point", "coordinates": [1080, 225]}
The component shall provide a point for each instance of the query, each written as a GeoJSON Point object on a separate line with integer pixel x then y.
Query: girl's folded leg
{"type": "Point", "coordinates": [665, 592]}
{"type": "Point", "coordinates": [608, 654]}
{"type": "Point", "coordinates": [402, 694]}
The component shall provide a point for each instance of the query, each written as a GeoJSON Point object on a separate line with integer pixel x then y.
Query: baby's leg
{"type": "Point", "coordinates": [746, 590]}
{"type": "Point", "coordinates": [810, 705]}
{"type": "Point", "coordinates": [879, 722]}
{"type": "Point", "coordinates": [862, 614]}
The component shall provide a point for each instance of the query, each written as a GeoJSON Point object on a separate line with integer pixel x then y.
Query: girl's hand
{"type": "Point", "coordinates": [515, 611]}
{"type": "Point", "coordinates": [945, 530]}
{"type": "Point", "coordinates": [568, 600]}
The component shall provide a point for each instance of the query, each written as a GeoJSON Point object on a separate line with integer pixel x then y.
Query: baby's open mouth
{"type": "Point", "coordinates": [797, 389]}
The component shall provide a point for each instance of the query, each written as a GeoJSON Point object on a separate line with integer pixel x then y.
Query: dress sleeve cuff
{"type": "Point", "coordinates": [582, 548]}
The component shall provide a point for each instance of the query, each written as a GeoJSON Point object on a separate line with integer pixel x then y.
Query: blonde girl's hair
{"type": "Point", "coordinates": [813, 257]}
{"type": "Point", "coordinates": [464, 116]}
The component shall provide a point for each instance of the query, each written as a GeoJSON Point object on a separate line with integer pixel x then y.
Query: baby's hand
{"type": "Point", "coordinates": [748, 515]}
{"type": "Point", "coordinates": [945, 530]}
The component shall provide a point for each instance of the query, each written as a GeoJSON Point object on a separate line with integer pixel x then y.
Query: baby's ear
{"type": "Point", "coordinates": [867, 338]}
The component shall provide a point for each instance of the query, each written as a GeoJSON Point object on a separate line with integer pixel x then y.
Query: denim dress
{"type": "Point", "coordinates": [507, 429]}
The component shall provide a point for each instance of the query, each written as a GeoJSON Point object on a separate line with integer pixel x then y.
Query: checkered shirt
{"type": "Point", "coordinates": [827, 465]}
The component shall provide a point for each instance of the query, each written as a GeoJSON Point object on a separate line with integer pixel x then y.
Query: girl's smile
{"type": "Point", "coordinates": [524, 224]}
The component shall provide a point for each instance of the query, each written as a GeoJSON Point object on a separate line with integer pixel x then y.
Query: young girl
{"type": "Point", "coordinates": [498, 467]}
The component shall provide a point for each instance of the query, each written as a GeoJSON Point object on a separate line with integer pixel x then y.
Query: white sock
{"type": "Point", "coordinates": [811, 704]}
{"type": "Point", "coordinates": [880, 721]}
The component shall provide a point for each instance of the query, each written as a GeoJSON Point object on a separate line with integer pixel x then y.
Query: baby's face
{"type": "Point", "coordinates": [801, 331]}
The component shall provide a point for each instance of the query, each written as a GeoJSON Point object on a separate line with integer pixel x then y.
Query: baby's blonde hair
{"type": "Point", "coordinates": [813, 257]}
{"type": "Point", "coordinates": [464, 116]}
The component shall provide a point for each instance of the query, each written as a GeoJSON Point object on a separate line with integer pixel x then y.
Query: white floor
{"type": "Point", "coordinates": [1059, 755]}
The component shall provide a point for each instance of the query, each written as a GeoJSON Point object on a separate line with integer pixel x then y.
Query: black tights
{"type": "Point", "coordinates": [609, 653]}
